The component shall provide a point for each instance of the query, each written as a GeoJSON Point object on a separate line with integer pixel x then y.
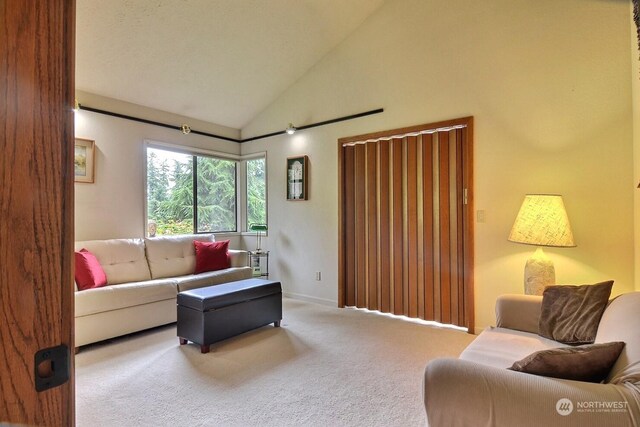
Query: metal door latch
{"type": "Point", "coordinates": [51, 367]}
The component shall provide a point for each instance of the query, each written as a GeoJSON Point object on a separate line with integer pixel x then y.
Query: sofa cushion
{"type": "Point", "coordinates": [571, 314]}
{"type": "Point", "coordinates": [171, 256]}
{"type": "Point", "coordinates": [113, 297]}
{"type": "Point", "coordinates": [88, 272]}
{"type": "Point", "coordinates": [211, 278]}
{"type": "Point", "coordinates": [520, 312]}
{"type": "Point", "coordinates": [500, 347]}
{"type": "Point", "coordinates": [211, 256]}
{"type": "Point", "coordinates": [621, 322]}
{"type": "Point", "coordinates": [238, 258]}
{"type": "Point", "coordinates": [123, 260]}
{"type": "Point", "coordinates": [591, 362]}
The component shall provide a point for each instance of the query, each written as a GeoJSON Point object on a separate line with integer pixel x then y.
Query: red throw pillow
{"type": "Point", "coordinates": [89, 273]}
{"type": "Point", "coordinates": [211, 256]}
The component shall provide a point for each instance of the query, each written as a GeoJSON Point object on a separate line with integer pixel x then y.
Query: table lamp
{"type": "Point", "coordinates": [259, 229]}
{"type": "Point", "coordinates": [541, 221]}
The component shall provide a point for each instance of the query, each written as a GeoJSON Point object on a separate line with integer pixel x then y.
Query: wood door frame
{"type": "Point", "coordinates": [37, 90]}
{"type": "Point", "coordinates": [468, 208]}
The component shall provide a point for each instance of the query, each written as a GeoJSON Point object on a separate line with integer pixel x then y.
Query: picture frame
{"type": "Point", "coordinates": [297, 178]}
{"type": "Point", "coordinates": [84, 159]}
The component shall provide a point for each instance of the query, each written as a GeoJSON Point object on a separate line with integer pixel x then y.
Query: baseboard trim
{"type": "Point", "coordinates": [316, 300]}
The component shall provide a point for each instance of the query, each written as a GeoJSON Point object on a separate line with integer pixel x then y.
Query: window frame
{"type": "Point", "coordinates": [245, 186]}
{"type": "Point", "coordinates": [241, 183]}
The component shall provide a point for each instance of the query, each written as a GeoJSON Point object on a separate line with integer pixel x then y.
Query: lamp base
{"type": "Point", "coordinates": [538, 273]}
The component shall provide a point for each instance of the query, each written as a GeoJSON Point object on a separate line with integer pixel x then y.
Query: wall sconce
{"type": "Point", "coordinates": [291, 129]}
{"type": "Point", "coordinates": [541, 221]}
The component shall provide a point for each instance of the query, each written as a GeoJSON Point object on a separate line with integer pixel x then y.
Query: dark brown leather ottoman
{"type": "Point", "coordinates": [212, 314]}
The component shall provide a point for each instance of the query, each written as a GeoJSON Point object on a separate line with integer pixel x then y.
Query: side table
{"type": "Point", "coordinates": [259, 262]}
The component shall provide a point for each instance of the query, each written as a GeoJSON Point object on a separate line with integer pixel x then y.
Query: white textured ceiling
{"type": "Point", "coordinates": [222, 61]}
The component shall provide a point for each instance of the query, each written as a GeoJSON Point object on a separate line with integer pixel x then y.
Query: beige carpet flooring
{"type": "Point", "coordinates": [324, 367]}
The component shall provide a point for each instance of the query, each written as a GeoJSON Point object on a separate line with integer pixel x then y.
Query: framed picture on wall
{"type": "Point", "coordinates": [297, 178]}
{"type": "Point", "coordinates": [84, 160]}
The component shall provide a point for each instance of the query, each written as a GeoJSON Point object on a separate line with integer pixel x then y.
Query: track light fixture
{"type": "Point", "coordinates": [186, 129]}
{"type": "Point", "coordinates": [291, 129]}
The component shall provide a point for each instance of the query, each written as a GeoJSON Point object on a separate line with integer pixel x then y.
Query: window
{"type": "Point", "coordinates": [256, 170]}
{"type": "Point", "coordinates": [190, 193]}
{"type": "Point", "coordinates": [194, 192]}
{"type": "Point", "coordinates": [216, 198]}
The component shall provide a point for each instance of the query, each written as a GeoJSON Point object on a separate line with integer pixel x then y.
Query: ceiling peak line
{"type": "Point", "coordinates": [182, 128]}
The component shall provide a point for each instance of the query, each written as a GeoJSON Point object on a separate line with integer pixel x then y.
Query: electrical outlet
{"type": "Point", "coordinates": [318, 276]}
{"type": "Point", "coordinates": [481, 216]}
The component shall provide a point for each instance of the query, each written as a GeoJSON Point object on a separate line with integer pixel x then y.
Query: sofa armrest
{"type": "Point", "coordinates": [239, 258]}
{"type": "Point", "coordinates": [463, 393]}
{"type": "Point", "coordinates": [519, 312]}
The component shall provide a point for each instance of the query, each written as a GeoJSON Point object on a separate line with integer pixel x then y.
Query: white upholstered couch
{"type": "Point", "coordinates": [144, 277]}
{"type": "Point", "coordinates": [478, 390]}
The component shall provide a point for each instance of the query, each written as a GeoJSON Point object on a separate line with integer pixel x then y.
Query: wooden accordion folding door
{"type": "Point", "coordinates": [406, 229]}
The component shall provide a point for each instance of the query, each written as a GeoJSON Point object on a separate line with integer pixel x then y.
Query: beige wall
{"type": "Point", "coordinates": [302, 235]}
{"type": "Point", "coordinates": [113, 207]}
{"type": "Point", "coordinates": [635, 82]}
{"type": "Point", "coordinates": [548, 83]}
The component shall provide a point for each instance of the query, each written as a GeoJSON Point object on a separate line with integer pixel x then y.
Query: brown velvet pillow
{"type": "Point", "coordinates": [590, 363]}
{"type": "Point", "coordinates": [571, 314]}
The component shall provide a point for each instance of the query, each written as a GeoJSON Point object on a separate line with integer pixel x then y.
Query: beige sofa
{"type": "Point", "coordinates": [144, 277]}
{"type": "Point", "coordinates": [478, 390]}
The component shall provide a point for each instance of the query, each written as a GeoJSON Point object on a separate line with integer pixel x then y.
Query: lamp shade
{"type": "Point", "coordinates": [258, 227]}
{"type": "Point", "coordinates": [542, 221]}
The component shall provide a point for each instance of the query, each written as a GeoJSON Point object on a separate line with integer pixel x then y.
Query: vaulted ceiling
{"type": "Point", "coordinates": [222, 61]}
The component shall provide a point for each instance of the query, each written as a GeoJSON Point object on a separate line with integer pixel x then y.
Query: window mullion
{"type": "Point", "coordinates": [195, 194]}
